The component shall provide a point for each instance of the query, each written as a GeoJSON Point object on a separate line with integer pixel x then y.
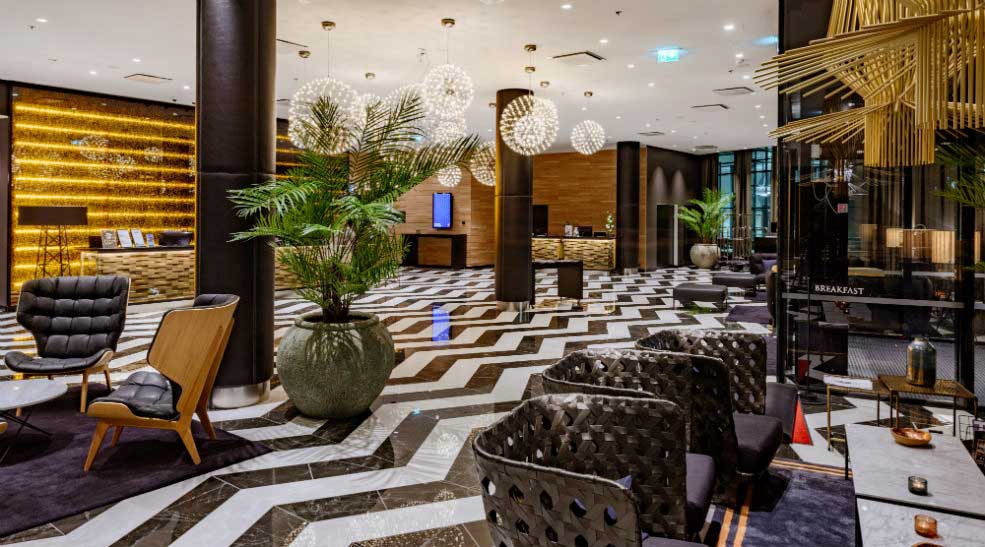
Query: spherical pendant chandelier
{"type": "Point", "coordinates": [406, 92]}
{"type": "Point", "coordinates": [450, 176]}
{"type": "Point", "coordinates": [529, 125]}
{"type": "Point", "coordinates": [448, 91]}
{"type": "Point", "coordinates": [444, 131]}
{"type": "Point", "coordinates": [483, 164]}
{"type": "Point", "coordinates": [304, 127]}
{"type": "Point", "coordinates": [588, 137]}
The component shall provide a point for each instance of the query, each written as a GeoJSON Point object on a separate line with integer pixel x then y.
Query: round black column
{"type": "Point", "coordinates": [628, 207]}
{"type": "Point", "coordinates": [236, 147]}
{"type": "Point", "coordinates": [514, 217]}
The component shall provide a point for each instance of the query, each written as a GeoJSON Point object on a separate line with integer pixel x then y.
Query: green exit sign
{"type": "Point", "coordinates": [669, 55]}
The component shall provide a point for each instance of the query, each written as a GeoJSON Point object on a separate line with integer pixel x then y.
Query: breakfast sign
{"type": "Point", "coordinates": [838, 290]}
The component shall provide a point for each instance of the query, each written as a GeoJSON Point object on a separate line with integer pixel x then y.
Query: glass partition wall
{"type": "Point", "coordinates": [872, 258]}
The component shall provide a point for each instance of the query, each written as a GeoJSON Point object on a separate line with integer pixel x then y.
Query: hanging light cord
{"type": "Point", "coordinates": [328, 53]}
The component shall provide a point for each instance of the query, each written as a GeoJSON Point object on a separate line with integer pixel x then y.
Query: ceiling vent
{"type": "Point", "coordinates": [652, 134]}
{"type": "Point", "coordinates": [147, 79]}
{"type": "Point", "coordinates": [710, 108]}
{"type": "Point", "coordinates": [733, 91]}
{"type": "Point", "coordinates": [284, 101]}
{"type": "Point", "coordinates": [579, 59]}
{"type": "Point", "coordinates": [706, 149]}
{"type": "Point", "coordinates": [287, 46]}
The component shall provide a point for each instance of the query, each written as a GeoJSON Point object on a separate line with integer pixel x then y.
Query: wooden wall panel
{"type": "Point", "coordinates": [578, 189]}
{"type": "Point", "coordinates": [643, 178]}
{"type": "Point", "coordinates": [434, 251]}
{"type": "Point", "coordinates": [472, 214]}
{"type": "Point", "coordinates": [482, 228]}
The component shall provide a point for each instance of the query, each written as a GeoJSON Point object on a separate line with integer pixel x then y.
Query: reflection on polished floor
{"type": "Point", "coordinates": [404, 475]}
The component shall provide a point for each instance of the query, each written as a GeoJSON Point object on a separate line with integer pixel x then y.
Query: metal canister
{"type": "Point", "coordinates": [921, 362]}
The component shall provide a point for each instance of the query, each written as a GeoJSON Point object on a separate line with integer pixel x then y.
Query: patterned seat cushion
{"type": "Point", "coordinates": [759, 439]}
{"type": "Point", "coordinates": [147, 394]}
{"type": "Point", "coordinates": [19, 362]}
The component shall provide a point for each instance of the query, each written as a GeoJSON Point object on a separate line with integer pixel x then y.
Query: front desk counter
{"type": "Point", "coordinates": [158, 274]}
{"type": "Point", "coordinates": [597, 253]}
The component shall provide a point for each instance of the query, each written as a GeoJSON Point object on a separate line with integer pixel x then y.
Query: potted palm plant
{"type": "Point", "coordinates": [333, 218]}
{"type": "Point", "coordinates": [704, 218]}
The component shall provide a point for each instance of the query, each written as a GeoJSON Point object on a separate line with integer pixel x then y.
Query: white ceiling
{"type": "Point", "coordinates": [384, 37]}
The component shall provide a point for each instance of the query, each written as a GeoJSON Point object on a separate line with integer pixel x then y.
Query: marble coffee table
{"type": "Point", "coordinates": [26, 394]}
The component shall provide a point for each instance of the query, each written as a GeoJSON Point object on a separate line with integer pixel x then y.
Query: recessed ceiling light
{"type": "Point", "coordinates": [136, 59]}
{"type": "Point", "coordinates": [630, 65]}
{"type": "Point", "coordinates": [648, 125]}
{"type": "Point", "coordinates": [41, 20]}
{"type": "Point", "coordinates": [766, 125]}
{"type": "Point", "coordinates": [695, 138]}
{"type": "Point", "coordinates": [673, 131]}
{"type": "Point", "coordinates": [762, 117]}
{"type": "Point", "coordinates": [651, 84]}
{"type": "Point", "coordinates": [759, 106]}
{"type": "Point", "coordinates": [729, 27]}
{"type": "Point", "coordinates": [584, 108]}
{"type": "Point", "coordinates": [618, 117]}
{"type": "Point", "coordinates": [370, 76]}
{"type": "Point", "coordinates": [746, 77]}
{"type": "Point", "coordinates": [604, 41]}
{"type": "Point", "coordinates": [739, 55]}
{"type": "Point", "coordinates": [567, 6]}
{"type": "Point", "coordinates": [489, 130]}
{"type": "Point", "coordinates": [186, 87]}
{"type": "Point", "coordinates": [93, 73]}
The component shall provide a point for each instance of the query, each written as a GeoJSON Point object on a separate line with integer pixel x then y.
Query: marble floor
{"type": "Point", "coordinates": [403, 474]}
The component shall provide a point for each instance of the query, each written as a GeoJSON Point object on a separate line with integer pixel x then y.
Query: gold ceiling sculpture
{"type": "Point", "coordinates": [919, 66]}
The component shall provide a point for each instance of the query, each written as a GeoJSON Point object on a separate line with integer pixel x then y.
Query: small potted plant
{"type": "Point", "coordinates": [334, 219]}
{"type": "Point", "coordinates": [704, 218]}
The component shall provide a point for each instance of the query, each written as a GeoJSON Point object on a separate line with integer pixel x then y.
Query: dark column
{"type": "Point", "coordinates": [628, 207]}
{"type": "Point", "coordinates": [236, 136]}
{"type": "Point", "coordinates": [514, 217]}
{"type": "Point", "coordinates": [6, 129]}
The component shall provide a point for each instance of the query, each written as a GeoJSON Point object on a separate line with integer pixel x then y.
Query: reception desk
{"type": "Point", "coordinates": [159, 274]}
{"type": "Point", "coordinates": [595, 253]}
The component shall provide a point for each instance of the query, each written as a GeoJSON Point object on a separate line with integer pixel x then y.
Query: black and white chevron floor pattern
{"type": "Point", "coordinates": [404, 474]}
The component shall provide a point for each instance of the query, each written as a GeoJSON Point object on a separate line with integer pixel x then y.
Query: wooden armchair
{"type": "Point", "coordinates": [186, 353]}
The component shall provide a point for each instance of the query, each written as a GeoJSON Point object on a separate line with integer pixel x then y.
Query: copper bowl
{"type": "Point", "coordinates": [907, 436]}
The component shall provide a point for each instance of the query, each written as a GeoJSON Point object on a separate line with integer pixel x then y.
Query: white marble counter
{"type": "Point", "coordinates": [881, 467]}
{"type": "Point", "coordinates": [888, 525]}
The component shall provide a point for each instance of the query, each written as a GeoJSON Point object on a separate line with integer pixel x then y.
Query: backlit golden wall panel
{"type": "Point", "coordinates": [132, 164]}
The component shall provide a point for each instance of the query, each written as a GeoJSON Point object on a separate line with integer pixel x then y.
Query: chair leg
{"type": "Point", "coordinates": [97, 439]}
{"type": "Point", "coordinates": [109, 383]}
{"type": "Point", "coordinates": [189, 440]}
{"type": "Point", "coordinates": [85, 390]}
{"type": "Point", "coordinates": [203, 416]}
{"type": "Point", "coordinates": [116, 435]}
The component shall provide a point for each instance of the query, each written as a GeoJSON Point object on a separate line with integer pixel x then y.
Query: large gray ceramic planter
{"type": "Point", "coordinates": [705, 255]}
{"type": "Point", "coordinates": [335, 370]}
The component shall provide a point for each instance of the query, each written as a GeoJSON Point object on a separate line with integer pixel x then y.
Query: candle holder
{"type": "Point", "coordinates": [918, 485]}
{"type": "Point", "coordinates": [925, 525]}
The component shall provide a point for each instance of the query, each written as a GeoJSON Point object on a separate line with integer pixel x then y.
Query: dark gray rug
{"type": "Point", "coordinates": [43, 481]}
{"type": "Point", "coordinates": [795, 505]}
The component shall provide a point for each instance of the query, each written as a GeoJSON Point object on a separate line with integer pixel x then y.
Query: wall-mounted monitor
{"type": "Point", "coordinates": [441, 210]}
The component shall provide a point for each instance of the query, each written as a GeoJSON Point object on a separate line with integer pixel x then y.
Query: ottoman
{"type": "Point", "coordinates": [689, 293]}
{"type": "Point", "coordinates": [740, 280]}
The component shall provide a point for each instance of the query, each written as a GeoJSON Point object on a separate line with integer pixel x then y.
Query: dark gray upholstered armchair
{"type": "Point", "coordinates": [699, 385]}
{"type": "Point", "coordinates": [758, 265]}
{"type": "Point", "coordinates": [744, 353]}
{"type": "Point", "coordinates": [76, 323]}
{"type": "Point", "coordinates": [586, 471]}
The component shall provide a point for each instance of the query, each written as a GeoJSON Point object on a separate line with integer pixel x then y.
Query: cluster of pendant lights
{"type": "Point", "coordinates": [529, 124]}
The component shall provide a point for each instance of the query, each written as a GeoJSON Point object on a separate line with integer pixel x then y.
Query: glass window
{"type": "Point", "coordinates": [726, 185]}
{"type": "Point", "coordinates": [761, 173]}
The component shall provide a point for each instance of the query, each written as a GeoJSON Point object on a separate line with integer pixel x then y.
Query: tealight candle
{"type": "Point", "coordinates": [925, 525]}
{"type": "Point", "coordinates": [918, 485]}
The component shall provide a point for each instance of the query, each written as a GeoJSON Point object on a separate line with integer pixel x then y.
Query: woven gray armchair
{"type": "Point", "coordinates": [745, 354]}
{"type": "Point", "coordinates": [553, 473]}
{"type": "Point", "coordinates": [699, 385]}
